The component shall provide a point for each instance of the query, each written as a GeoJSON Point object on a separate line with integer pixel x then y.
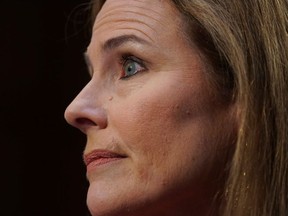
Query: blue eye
{"type": "Point", "coordinates": [130, 67]}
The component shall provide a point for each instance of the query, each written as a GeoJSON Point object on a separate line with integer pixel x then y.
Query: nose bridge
{"type": "Point", "coordinates": [90, 95]}
{"type": "Point", "coordinates": [87, 109]}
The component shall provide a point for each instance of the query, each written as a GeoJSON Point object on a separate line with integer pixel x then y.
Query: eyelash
{"type": "Point", "coordinates": [130, 58]}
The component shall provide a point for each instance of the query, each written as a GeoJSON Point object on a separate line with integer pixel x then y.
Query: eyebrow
{"type": "Point", "coordinates": [121, 40]}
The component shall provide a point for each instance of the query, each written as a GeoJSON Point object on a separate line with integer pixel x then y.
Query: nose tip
{"type": "Point", "coordinates": [71, 118]}
{"type": "Point", "coordinates": [83, 117]}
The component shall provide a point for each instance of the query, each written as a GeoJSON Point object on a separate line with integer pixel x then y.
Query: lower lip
{"type": "Point", "coordinates": [102, 161]}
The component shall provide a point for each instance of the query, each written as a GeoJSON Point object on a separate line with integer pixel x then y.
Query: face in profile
{"type": "Point", "coordinates": [157, 133]}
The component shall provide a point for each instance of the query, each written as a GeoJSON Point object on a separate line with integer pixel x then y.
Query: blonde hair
{"type": "Point", "coordinates": [246, 42]}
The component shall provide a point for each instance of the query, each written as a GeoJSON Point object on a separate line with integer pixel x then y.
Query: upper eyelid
{"type": "Point", "coordinates": [139, 61]}
{"type": "Point", "coordinates": [131, 58]}
{"type": "Point", "coordinates": [123, 57]}
{"type": "Point", "coordinates": [116, 43]}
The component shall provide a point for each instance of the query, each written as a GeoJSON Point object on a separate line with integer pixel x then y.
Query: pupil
{"type": "Point", "coordinates": [130, 68]}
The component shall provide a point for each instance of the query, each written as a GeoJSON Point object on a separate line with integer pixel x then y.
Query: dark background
{"type": "Point", "coordinates": [42, 70]}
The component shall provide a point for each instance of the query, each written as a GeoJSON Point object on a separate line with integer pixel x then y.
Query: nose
{"type": "Point", "coordinates": [85, 111]}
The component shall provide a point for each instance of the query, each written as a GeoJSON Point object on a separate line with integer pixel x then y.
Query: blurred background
{"type": "Point", "coordinates": [42, 70]}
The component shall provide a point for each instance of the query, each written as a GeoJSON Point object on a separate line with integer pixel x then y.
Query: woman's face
{"type": "Point", "coordinates": [157, 133]}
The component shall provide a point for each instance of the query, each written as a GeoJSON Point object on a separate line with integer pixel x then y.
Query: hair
{"type": "Point", "coordinates": [246, 42]}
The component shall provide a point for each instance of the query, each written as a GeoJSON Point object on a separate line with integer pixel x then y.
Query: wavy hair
{"type": "Point", "coordinates": [246, 43]}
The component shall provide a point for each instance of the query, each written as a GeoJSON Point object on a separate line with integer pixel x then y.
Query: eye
{"type": "Point", "coordinates": [131, 66]}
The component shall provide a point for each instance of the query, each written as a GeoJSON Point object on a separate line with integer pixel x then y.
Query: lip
{"type": "Point", "coordinates": [97, 158]}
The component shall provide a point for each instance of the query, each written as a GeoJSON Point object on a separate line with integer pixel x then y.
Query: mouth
{"type": "Point", "coordinates": [99, 157]}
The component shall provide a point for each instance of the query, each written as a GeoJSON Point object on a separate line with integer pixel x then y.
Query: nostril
{"type": "Point", "coordinates": [85, 122]}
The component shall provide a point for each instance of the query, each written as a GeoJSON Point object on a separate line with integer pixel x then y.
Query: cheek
{"type": "Point", "coordinates": [154, 126]}
{"type": "Point", "coordinates": [156, 112]}
{"type": "Point", "coordinates": [170, 134]}
{"type": "Point", "coordinates": [143, 123]}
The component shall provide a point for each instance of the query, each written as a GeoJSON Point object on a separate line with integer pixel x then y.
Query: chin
{"type": "Point", "coordinates": [103, 202]}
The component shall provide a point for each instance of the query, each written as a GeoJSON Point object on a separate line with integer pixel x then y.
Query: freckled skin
{"type": "Point", "coordinates": [172, 129]}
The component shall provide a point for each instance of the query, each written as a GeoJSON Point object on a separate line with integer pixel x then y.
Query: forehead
{"type": "Point", "coordinates": [145, 18]}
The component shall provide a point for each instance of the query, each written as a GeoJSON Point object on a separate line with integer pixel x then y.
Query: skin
{"type": "Point", "coordinates": [166, 118]}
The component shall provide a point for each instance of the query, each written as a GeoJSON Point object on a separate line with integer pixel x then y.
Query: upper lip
{"type": "Point", "coordinates": [98, 154]}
